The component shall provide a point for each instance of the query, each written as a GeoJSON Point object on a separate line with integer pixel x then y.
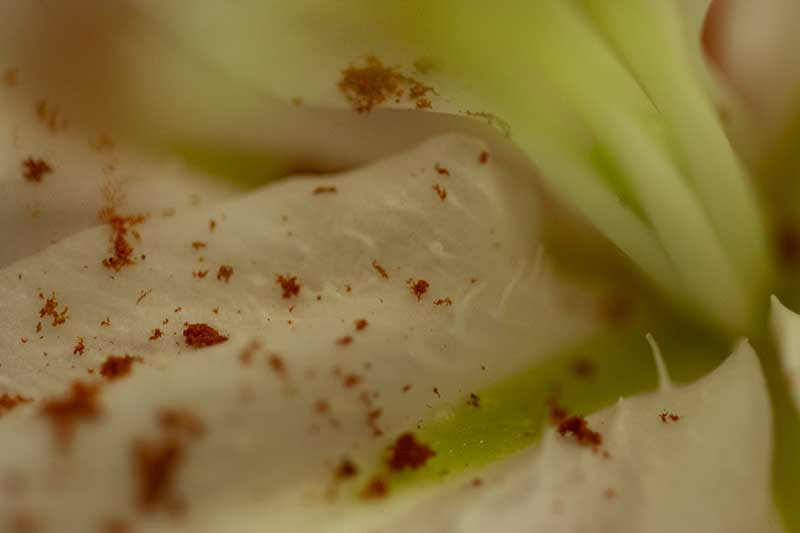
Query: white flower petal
{"type": "Point", "coordinates": [133, 69]}
{"type": "Point", "coordinates": [477, 247]}
{"type": "Point", "coordinates": [85, 173]}
{"type": "Point", "coordinates": [597, 122]}
{"type": "Point", "coordinates": [754, 44]}
{"type": "Point", "coordinates": [786, 328]}
{"type": "Point", "coordinates": [709, 471]}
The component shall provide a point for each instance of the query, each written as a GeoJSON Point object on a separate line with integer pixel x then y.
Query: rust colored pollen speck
{"type": "Point", "coordinates": [79, 347]}
{"type": "Point", "coordinates": [379, 269]}
{"type": "Point", "coordinates": [373, 416]}
{"type": "Point", "coordinates": [11, 401]}
{"type": "Point", "coordinates": [224, 273]}
{"type": "Point", "coordinates": [155, 465]}
{"type": "Point", "coordinates": [248, 352]}
{"type": "Point", "coordinates": [202, 336]}
{"type": "Point", "coordinates": [669, 417]}
{"type": "Point", "coordinates": [121, 227]}
{"type": "Point", "coordinates": [474, 400]}
{"type": "Point", "coordinates": [80, 405]}
{"type": "Point", "coordinates": [324, 190]}
{"type": "Point", "coordinates": [351, 380]}
{"type": "Point", "coordinates": [579, 428]}
{"type": "Point", "coordinates": [50, 309]}
{"type": "Point", "coordinates": [418, 287]}
{"type": "Point", "coordinates": [377, 488]}
{"type": "Point", "coordinates": [178, 421]}
{"type": "Point", "coordinates": [288, 284]}
{"type": "Point", "coordinates": [557, 413]}
{"type": "Point", "coordinates": [155, 462]}
{"type": "Point", "coordinates": [347, 469]}
{"type": "Point", "coordinates": [366, 87]}
{"type": "Point", "coordinates": [408, 453]}
{"type": "Point", "coordinates": [118, 366]}
{"type": "Point", "coordinates": [277, 364]}
{"type": "Point", "coordinates": [345, 341]}
{"type": "Point", "coordinates": [34, 170]}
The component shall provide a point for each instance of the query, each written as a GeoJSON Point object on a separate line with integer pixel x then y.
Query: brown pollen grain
{"type": "Point", "coordinates": [579, 428]}
{"type": "Point", "coordinates": [379, 269]}
{"type": "Point", "coordinates": [288, 284]}
{"type": "Point", "coordinates": [408, 453]}
{"type": "Point", "coordinates": [202, 335]}
{"type": "Point", "coordinates": [418, 287]}
{"type": "Point", "coordinates": [11, 401]}
{"type": "Point", "coordinates": [79, 347]}
{"type": "Point", "coordinates": [118, 366]}
{"type": "Point", "coordinates": [34, 170]}
{"type": "Point", "coordinates": [224, 273]}
{"type": "Point", "coordinates": [79, 405]}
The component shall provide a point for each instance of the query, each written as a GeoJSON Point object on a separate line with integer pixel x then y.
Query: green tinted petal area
{"type": "Point", "coordinates": [500, 305]}
{"type": "Point", "coordinates": [670, 460]}
{"type": "Point", "coordinates": [514, 413]}
{"type": "Point", "coordinates": [783, 370]}
{"type": "Point", "coordinates": [786, 459]}
{"type": "Point", "coordinates": [648, 37]}
{"type": "Point", "coordinates": [754, 45]}
{"type": "Point", "coordinates": [245, 168]}
{"type": "Point", "coordinates": [510, 415]}
{"type": "Point", "coordinates": [576, 78]}
{"type": "Point", "coordinates": [570, 80]}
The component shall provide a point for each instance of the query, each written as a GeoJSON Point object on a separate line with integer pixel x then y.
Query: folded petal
{"type": "Point", "coordinates": [622, 125]}
{"type": "Point", "coordinates": [239, 359]}
{"type": "Point", "coordinates": [56, 183]}
{"type": "Point", "coordinates": [753, 45]}
{"type": "Point", "coordinates": [695, 459]}
{"type": "Point", "coordinates": [137, 71]}
{"type": "Point", "coordinates": [786, 328]}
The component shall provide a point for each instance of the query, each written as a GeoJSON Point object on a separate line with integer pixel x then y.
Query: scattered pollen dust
{"type": "Point", "coordinates": [374, 83]}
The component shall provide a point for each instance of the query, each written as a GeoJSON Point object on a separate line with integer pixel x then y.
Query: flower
{"type": "Point", "coordinates": [529, 202]}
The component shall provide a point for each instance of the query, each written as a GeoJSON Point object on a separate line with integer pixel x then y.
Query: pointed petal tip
{"type": "Point", "coordinates": [664, 381]}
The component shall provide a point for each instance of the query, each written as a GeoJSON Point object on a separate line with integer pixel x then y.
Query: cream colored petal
{"type": "Point", "coordinates": [707, 471]}
{"type": "Point", "coordinates": [266, 432]}
{"type": "Point", "coordinates": [786, 328]}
